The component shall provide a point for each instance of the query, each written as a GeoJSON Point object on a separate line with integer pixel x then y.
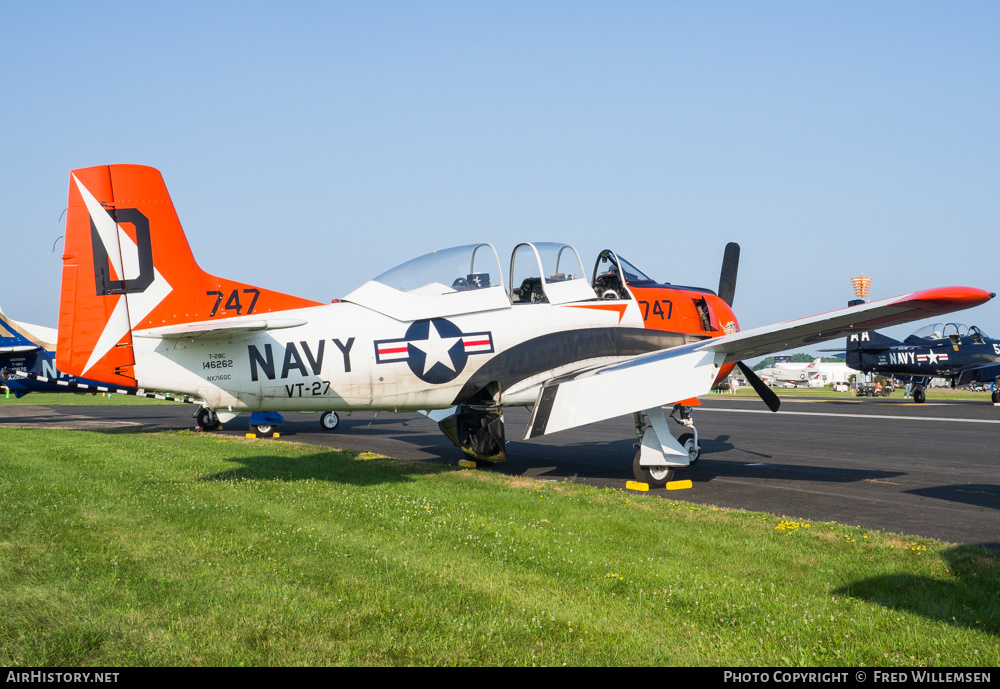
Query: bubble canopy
{"type": "Point", "coordinates": [468, 278]}
{"type": "Point", "coordinates": [458, 269]}
{"type": "Point", "coordinates": [547, 272]}
{"type": "Point", "coordinates": [462, 279]}
{"type": "Point", "coordinates": [939, 331]}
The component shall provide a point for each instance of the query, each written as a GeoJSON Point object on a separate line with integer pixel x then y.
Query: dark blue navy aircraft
{"type": "Point", "coordinates": [942, 350]}
{"type": "Point", "coordinates": [31, 349]}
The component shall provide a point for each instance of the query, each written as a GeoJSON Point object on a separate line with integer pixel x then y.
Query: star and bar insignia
{"type": "Point", "coordinates": [436, 350]}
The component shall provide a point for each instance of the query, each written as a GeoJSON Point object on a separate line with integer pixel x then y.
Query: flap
{"type": "Point", "coordinates": [604, 392]}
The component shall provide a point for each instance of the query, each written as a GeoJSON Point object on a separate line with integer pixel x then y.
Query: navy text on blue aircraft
{"type": "Point", "coordinates": [965, 355]}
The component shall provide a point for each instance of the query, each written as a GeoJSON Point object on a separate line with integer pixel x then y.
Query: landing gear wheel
{"type": "Point", "coordinates": [687, 442]}
{"type": "Point", "coordinates": [329, 420]}
{"type": "Point", "coordinates": [919, 396]}
{"type": "Point", "coordinates": [207, 419]}
{"type": "Point", "coordinates": [995, 397]}
{"type": "Point", "coordinates": [263, 429]}
{"type": "Point", "coordinates": [656, 477]}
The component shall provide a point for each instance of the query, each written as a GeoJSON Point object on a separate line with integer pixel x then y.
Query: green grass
{"type": "Point", "coordinates": [122, 549]}
{"type": "Point", "coordinates": [46, 399]}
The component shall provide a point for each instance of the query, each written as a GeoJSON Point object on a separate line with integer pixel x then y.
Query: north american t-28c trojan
{"type": "Point", "coordinates": [440, 334]}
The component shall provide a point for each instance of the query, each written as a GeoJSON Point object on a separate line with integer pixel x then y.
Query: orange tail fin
{"type": "Point", "coordinates": [127, 266]}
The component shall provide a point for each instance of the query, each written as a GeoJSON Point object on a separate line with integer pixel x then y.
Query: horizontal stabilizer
{"type": "Point", "coordinates": [219, 329]}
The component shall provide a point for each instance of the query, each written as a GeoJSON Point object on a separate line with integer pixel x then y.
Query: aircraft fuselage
{"type": "Point", "coordinates": [346, 356]}
{"type": "Point", "coordinates": [935, 361]}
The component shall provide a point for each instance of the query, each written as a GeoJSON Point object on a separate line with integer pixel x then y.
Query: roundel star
{"type": "Point", "coordinates": [438, 349]}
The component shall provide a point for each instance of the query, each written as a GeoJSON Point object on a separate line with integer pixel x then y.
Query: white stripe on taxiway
{"type": "Point", "coordinates": [853, 416]}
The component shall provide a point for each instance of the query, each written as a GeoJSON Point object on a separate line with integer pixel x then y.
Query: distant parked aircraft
{"type": "Point", "coordinates": [814, 374]}
{"type": "Point", "coordinates": [31, 349]}
{"type": "Point", "coordinates": [962, 354]}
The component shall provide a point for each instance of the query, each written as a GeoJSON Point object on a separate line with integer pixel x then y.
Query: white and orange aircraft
{"type": "Point", "coordinates": [440, 334]}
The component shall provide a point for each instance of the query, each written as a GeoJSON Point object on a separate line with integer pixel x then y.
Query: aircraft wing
{"type": "Point", "coordinates": [649, 380]}
{"type": "Point", "coordinates": [19, 349]}
{"type": "Point", "coordinates": [21, 338]}
{"type": "Point", "coordinates": [981, 374]}
{"type": "Point", "coordinates": [833, 324]}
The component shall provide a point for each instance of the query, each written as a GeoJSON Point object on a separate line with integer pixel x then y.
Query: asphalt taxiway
{"type": "Point", "coordinates": [927, 470]}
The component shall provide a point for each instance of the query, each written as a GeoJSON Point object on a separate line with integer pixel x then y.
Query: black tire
{"type": "Point", "coordinates": [919, 396]}
{"type": "Point", "coordinates": [262, 429]}
{"type": "Point", "coordinates": [656, 477]}
{"type": "Point", "coordinates": [329, 420]}
{"type": "Point", "coordinates": [687, 442]}
{"type": "Point", "coordinates": [207, 419]}
{"type": "Point", "coordinates": [995, 397]}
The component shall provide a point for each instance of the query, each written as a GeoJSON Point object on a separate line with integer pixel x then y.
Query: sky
{"type": "Point", "coordinates": [309, 146]}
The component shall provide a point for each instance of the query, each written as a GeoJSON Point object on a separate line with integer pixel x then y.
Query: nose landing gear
{"type": "Point", "coordinates": [658, 453]}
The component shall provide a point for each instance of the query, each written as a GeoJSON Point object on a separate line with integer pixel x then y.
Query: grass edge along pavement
{"type": "Point", "coordinates": [120, 549]}
{"type": "Point", "coordinates": [75, 399]}
{"type": "Point", "coordinates": [933, 395]}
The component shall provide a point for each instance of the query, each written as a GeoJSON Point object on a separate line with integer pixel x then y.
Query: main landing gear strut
{"type": "Point", "coordinates": [476, 427]}
{"type": "Point", "coordinates": [478, 432]}
{"type": "Point", "coordinates": [658, 452]}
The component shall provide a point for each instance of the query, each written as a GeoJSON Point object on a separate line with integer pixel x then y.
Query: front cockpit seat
{"type": "Point", "coordinates": [471, 281]}
{"type": "Point", "coordinates": [608, 285]}
{"type": "Point", "coordinates": [530, 292]}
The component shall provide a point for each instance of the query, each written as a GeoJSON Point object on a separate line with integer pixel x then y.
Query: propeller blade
{"type": "Point", "coordinates": [766, 393]}
{"type": "Point", "coordinates": [730, 266]}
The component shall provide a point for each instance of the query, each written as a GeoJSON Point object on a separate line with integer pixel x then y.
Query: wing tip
{"type": "Point", "coordinates": [966, 296]}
